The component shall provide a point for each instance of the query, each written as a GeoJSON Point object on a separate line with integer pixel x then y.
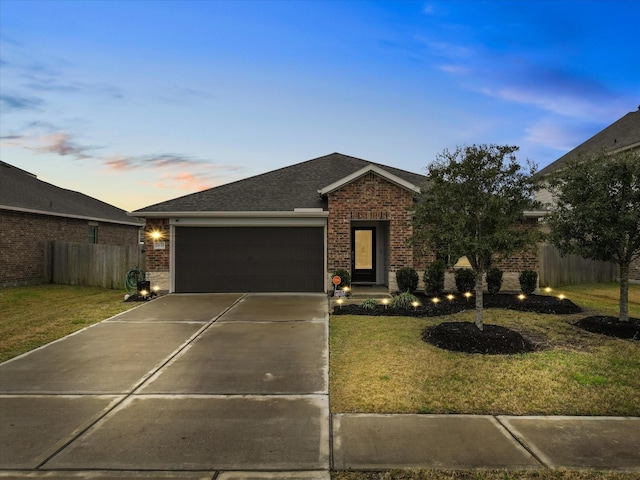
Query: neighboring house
{"type": "Point", "coordinates": [620, 136]}
{"type": "Point", "coordinates": [33, 212]}
{"type": "Point", "coordinates": [623, 134]}
{"type": "Point", "coordinates": [291, 229]}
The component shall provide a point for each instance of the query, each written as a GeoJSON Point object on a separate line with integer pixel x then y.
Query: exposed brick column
{"type": "Point", "coordinates": [158, 260]}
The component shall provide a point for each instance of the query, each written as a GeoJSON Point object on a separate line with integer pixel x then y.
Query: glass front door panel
{"type": "Point", "coordinates": [364, 249]}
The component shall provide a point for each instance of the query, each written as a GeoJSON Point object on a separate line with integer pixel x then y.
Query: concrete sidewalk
{"type": "Point", "coordinates": [235, 387]}
{"type": "Point", "coordinates": [383, 442]}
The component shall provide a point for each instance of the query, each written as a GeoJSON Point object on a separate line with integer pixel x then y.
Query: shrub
{"type": "Point", "coordinates": [494, 280]}
{"type": "Point", "coordinates": [369, 304]}
{"type": "Point", "coordinates": [465, 280]}
{"type": "Point", "coordinates": [407, 279]}
{"type": "Point", "coordinates": [403, 301]}
{"type": "Point", "coordinates": [528, 281]}
{"type": "Point", "coordinates": [345, 278]}
{"type": "Point", "coordinates": [434, 278]}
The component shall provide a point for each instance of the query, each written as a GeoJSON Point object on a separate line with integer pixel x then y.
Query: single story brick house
{"type": "Point", "coordinates": [288, 230]}
{"type": "Point", "coordinates": [33, 212]}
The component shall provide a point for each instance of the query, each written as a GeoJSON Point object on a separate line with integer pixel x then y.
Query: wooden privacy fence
{"type": "Point", "coordinates": [556, 270]}
{"type": "Point", "coordinates": [90, 264]}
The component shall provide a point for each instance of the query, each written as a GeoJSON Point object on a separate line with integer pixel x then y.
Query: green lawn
{"type": "Point", "coordinates": [381, 365]}
{"type": "Point", "coordinates": [542, 474]}
{"type": "Point", "coordinates": [36, 315]}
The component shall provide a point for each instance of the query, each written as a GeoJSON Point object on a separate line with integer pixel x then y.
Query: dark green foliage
{"type": "Point", "coordinates": [465, 280]}
{"type": "Point", "coordinates": [474, 206]}
{"type": "Point", "coordinates": [528, 281]}
{"type": "Point", "coordinates": [494, 280]}
{"type": "Point", "coordinates": [407, 279]}
{"type": "Point", "coordinates": [344, 276]}
{"type": "Point", "coordinates": [597, 212]}
{"type": "Point", "coordinates": [434, 278]}
{"type": "Point", "coordinates": [403, 301]}
{"type": "Point", "coordinates": [369, 304]}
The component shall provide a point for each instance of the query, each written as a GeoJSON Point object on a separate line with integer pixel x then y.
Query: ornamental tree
{"type": "Point", "coordinates": [597, 212]}
{"type": "Point", "coordinates": [474, 205]}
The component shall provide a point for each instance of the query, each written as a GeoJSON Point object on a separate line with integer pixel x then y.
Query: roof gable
{"type": "Point", "coordinates": [23, 192]}
{"type": "Point", "coordinates": [362, 172]}
{"type": "Point", "coordinates": [286, 189]}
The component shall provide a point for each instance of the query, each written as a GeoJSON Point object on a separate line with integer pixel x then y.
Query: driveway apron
{"type": "Point", "coordinates": [203, 383]}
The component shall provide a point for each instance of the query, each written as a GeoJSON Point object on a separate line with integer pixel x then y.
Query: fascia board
{"type": "Point", "coordinates": [67, 215]}
{"type": "Point", "coordinates": [310, 213]}
{"type": "Point", "coordinates": [363, 171]}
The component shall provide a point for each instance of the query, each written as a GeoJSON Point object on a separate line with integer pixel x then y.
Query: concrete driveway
{"type": "Point", "coordinates": [186, 386]}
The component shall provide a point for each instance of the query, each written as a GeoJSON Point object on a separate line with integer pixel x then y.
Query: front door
{"type": "Point", "coordinates": [363, 254]}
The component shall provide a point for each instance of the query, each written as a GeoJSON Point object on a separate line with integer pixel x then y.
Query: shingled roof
{"type": "Point", "coordinates": [24, 192]}
{"type": "Point", "coordinates": [624, 134]}
{"type": "Point", "coordinates": [285, 189]}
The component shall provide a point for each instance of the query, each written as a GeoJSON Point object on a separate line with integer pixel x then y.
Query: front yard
{"type": "Point", "coordinates": [381, 365]}
{"type": "Point", "coordinates": [33, 316]}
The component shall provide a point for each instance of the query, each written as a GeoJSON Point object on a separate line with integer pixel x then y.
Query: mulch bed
{"type": "Point", "coordinates": [532, 303]}
{"type": "Point", "coordinates": [466, 337]}
{"type": "Point", "coordinates": [494, 339]}
{"type": "Point", "coordinates": [611, 326]}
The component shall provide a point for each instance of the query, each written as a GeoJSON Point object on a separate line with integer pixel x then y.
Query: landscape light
{"type": "Point", "coordinates": [346, 289]}
{"type": "Point", "coordinates": [467, 295]}
{"type": "Point", "coordinates": [340, 300]}
{"type": "Point", "coordinates": [548, 289]}
{"type": "Point", "coordinates": [561, 296]}
{"type": "Point", "coordinates": [521, 296]}
{"type": "Point", "coordinates": [144, 293]}
{"type": "Point", "coordinates": [156, 288]}
{"type": "Point", "coordinates": [385, 302]}
{"type": "Point", "coordinates": [415, 304]}
{"type": "Point", "coordinates": [450, 297]}
{"type": "Point", "coordinates": [435, 299]}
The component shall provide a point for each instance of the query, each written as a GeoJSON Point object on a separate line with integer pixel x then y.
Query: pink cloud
{"type": "Point", "coordinates": [183, 181]}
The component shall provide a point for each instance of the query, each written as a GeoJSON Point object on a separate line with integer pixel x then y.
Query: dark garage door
{"type": "Point", "coordinates": [249, 259]}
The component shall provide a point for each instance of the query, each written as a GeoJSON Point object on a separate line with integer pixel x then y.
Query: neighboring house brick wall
{"type": "Point", "coordinates": [369, 198]}
{"type": "Point", "coordinates": [23, 236]}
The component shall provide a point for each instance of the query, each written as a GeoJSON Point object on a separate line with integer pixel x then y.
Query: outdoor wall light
{"type": "Point", "coordinates": [156, 235]}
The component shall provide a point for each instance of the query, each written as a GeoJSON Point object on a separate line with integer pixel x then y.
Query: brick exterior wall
{"type": "Point", "coordinates": [158, 261]}
{"type": "Point", "coordinates": [23, 235]}
{"type": "Point", "coordinates": [369, 198]}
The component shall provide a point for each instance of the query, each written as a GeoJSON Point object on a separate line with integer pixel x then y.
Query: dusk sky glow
{"type": "Point", "coordinates": [136, 102]}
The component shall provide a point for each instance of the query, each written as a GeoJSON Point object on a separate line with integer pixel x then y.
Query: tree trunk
{"type": "Point", "coordinates": [479, 305]}
{"type": "Point", "coordinates": [624, 292]}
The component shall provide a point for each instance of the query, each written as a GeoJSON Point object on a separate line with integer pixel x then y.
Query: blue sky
{"type": "Point", "coordinates": [136, 102]}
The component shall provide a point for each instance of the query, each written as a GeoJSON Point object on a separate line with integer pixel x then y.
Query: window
{"type": "Point", "coordinates": [92, 233]}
